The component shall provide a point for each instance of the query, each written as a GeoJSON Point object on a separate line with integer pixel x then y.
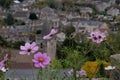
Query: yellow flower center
{"type": "Point", "coordinates": [41, 59]}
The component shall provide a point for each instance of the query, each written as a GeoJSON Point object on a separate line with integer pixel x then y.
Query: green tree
{"type": "Point", "coordinates": [52, 4]}
{"type": "Point", "coordinates": [9, 20]}
{"type": "Point", "coordinates": [17, 44]}
{"type": "Point", "coordinates": [69, 29]}
{"type": "Point", "coordinates": [117, 1]}
{"type": "Point", "coordinates": [6, 3]}
{"type": "Point", "coordinates": [2, 22]}
{"type": "Point", "coordinates": [3, 42]}
{"type": "Point", "coordinates": [68, 5]}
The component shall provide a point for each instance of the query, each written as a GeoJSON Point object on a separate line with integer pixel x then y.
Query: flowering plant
{"type": "Point", "coordinates": [93, 54]}
{"type": "Point", "coordinates": [90, 58]}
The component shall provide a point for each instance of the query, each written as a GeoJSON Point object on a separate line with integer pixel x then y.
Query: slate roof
{"type": "Point", "coordinates": [20, 14]}
{"type": "Point", "coordinates": [91, 23]}
{"type": "Point", "coordinates": [47, 10]}
{"type": "Point", "coordinates": [45, 28]}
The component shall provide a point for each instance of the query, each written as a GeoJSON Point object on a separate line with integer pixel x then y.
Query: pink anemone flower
{"type": "Point", "coordinates": [52, 32]}
{"type": "Point", "coordinates": [2, 64]}
{"type": "Point", "coordinates": [29, 48]}
{"type": "Point", "coordinates": [82, 73]}
{"type": "Point", "coordinates": [70, 72]}
{"type": "Point", "coordinates": [41, 60]}
{"type": "Point", "coordinates": [97, 36]}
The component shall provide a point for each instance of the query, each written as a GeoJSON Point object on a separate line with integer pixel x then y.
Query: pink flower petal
{"type": "Point", "coordinates": [47, 37]}
{"type": "Point", "coordinates": [23, 48]}
{"type": "Point", "coordinates": [22, 52]}
{"type": "Point", "coordinates": [1, 65]}
{"type": "Point", "coordinates": [33, 44]}
{"type": "Point", "coordinates": [27, 45]}
{"type": "Point", "coordinates": [36, 56]}
{"type": "Point", "coordinates": [33, 51]}
{"type": "Point", "coordinates": [36, 65]}
{"type": "Point", "coordinates": [33, 60]}
{"type": "Point", "coordinates": [53, 31]}
{"type": "Point", "coordinates": [97, 37]}
{"type": "Point", "coordinates": [35, 48]}
{"type": "Point", "coordinates": [6, 57]}
{"type": "Point", "coordinates": [47, 61]}
{"type": "Point", "coordinates": [41, 65]}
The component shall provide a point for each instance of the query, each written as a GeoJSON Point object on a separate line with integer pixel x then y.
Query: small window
{"type": "Point", "coordinates": [41, 45]}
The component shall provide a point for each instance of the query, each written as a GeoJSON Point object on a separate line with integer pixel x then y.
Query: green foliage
{"type": "Point", "coordinates": [56, 64]}
{"type": "Point", "coordinates": [95, 11]}
{"type": "Point", "coordinates": [117, 2]}
{"type": "Point", "coordinates": [68, 5]}
{"type": "Point", "coordinates": [87, 50]}
{"type": "Point", "coordinates": [6, 3]}
{"type": "Point", "coordinates": [2, 21]}
{"type": "Point", "coordinates": [39, 5]}
{"type": "Point", "coordinates": [69, 30]}
{"type": "Point", "coordinates": [52, 4]}
{"type": "Point", "coordinates": [3, 42]}
{"type": "Point", "coordinates": [70, 57]}
{"type": "Point", "coordinates": [117, 18]}
{"type": "Point", "coordinates": [102, 70]}
{"type": "Point", "coordinates": [9, 20]}
{"type": "Point", "coordinates": [2, 76]}
{"type": "Point", "coordinates": [63, 52]}
{"type": "Point", "coordinates": [19, 22]}
{"type": "Point", "coordinates": [70, 42]}
{"type": "Point", "coordinates": [17, 44]}
{"type": "Point", "coordinates": [74, 59]}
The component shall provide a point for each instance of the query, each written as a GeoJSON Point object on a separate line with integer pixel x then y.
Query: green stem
{"type": "Point", "coordinates": [41, 73]}
{"type": "Point", "coordinates": [113, 49]}
{"type": "Point", "coordinates": [74, 73]}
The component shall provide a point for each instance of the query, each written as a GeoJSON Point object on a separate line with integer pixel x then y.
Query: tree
{"type": "Point", "coordinates": [9, 20]}
{"type": "Point", "coordinates": [52, 4]}
{"type": "Point", "coordinates": [2, 22]}
{"type": "Point", "coordinates": [68, 4]}
{"type": "Point", "coordinates": [117, 1]}
{"type": "Point", "coordinates": [17, 44]}
{"type": "Point", "coordinates": [6, 3]}
{"type": "Point", "coordinates": [69, 30]}
{"type": "Point", "coordinates": [3, 42]}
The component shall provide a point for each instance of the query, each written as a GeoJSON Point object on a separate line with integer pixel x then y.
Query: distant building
{"type": "Point", "coordinates": [102, 6]}
{"type": "Point", "coordinates": [3, 14]}
{"type": "Point", "coordinates": [86, 10]}
{"type": "Point", "coordinates": [22, 15]}
{"type": "Point", "coordinates": [87, 26]}
{"type": "Point", "coordinates": [49, 14]}
{"type": "Point", "coordinates": [113, 11]}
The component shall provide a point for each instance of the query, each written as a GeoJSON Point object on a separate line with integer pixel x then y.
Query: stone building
{"type": "Point", "coordinates": [51, 48]}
